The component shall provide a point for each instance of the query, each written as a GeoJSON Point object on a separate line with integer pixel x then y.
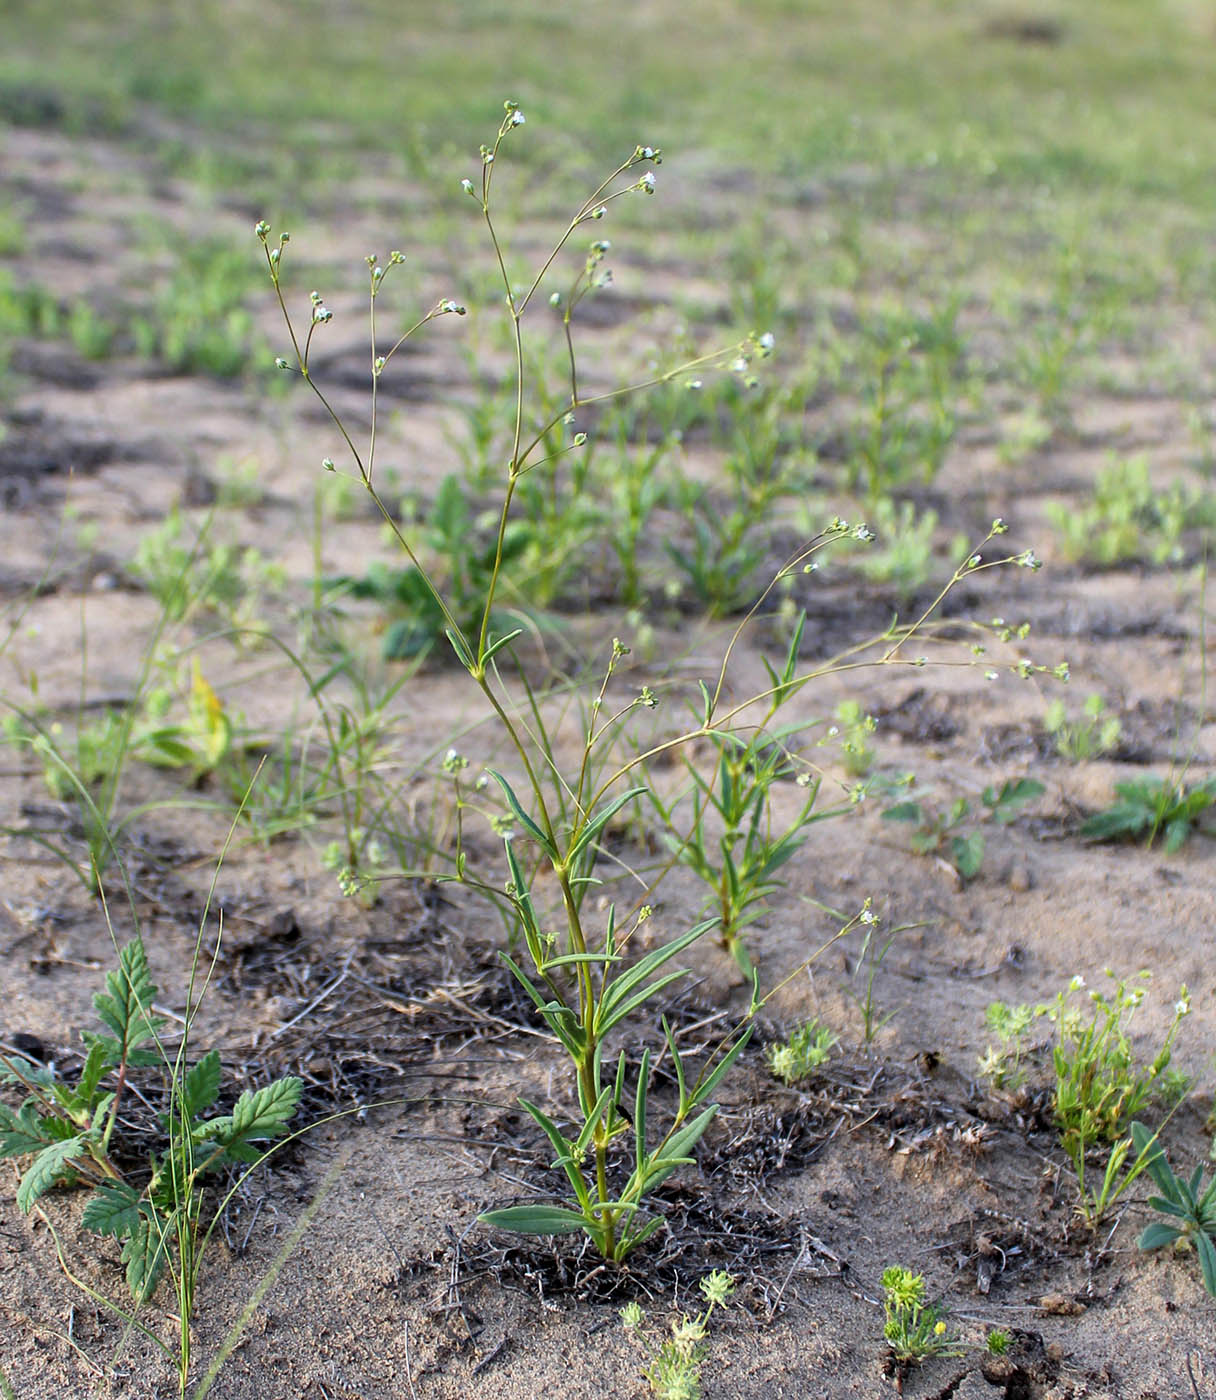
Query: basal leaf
{"type": "Point", "coordinates": [1158, 1235]}
{"type": "Point", "coordinates": [201, 1086]}
{"type": "Point", "coordinates": [1207, 1260]}
{"type": "Point", "coordinates": [52, 1164]}
{"type": "Point", "coordinates": [536, 1220]}
{"type": "Point", "coordinates": [112, 1209]}
{"type": "Point", "coordinates": [145, 1254]}
{"type": "Point", "coordinates": [23, 1131]}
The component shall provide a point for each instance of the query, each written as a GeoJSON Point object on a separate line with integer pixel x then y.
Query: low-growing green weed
{"type": "Point", "coordinates": [1189, 1207]}
{"type": "Point", "coordinates": [1080, 737]}
{"type": "Point", "coordinates": [1129, 518]}
{"type": "Point", "coordinates": [673, 1368]}
{"type": "Point", "coordinates": [853, 728]}
{"type": "Point", "coordinates": [68, 1131]}
{"type": "Point", "coordinates": [1100, 1084]}
{"type": "Point", "coordinates": [198, 323]}
{"type": "Point", "coordinates": [192, 576]}
{"type": "Point", "coordinates": [733, 846]}
{"type": "Point", "coordinates": [944, 833]}
{"type": "Point", "coordinates": [911, 371]}
{"type": "Point", "coordinates": [1148, 808]}
{"type": "Point", "coordinates": [1003, 1064]}
{"type": "Point", "coordinates": [903, 554]}
{"type": "Point", "coordinates": [803, 1051]}
{"type": "Point", "coordinates": [915, 1329]}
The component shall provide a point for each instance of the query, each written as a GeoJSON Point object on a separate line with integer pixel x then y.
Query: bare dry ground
{"type": "Point", "coordinates": [897, 1153]}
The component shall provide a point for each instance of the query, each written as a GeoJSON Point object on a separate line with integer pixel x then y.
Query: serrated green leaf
{"type": "Point", "coordinates": [52, 1164]}
{"type": "Point", "coordinates": [90, 1076]}
{"type": "Point", "coordinates": [201, 1086]}
{"type": "Point", "coordinates": [904, 812]}
{"type": "Point", "coordinates": [126, 1007]}
{"type": "Point", "coordinates": [145, 1254]}
{"type": "Point", "coordinates": [536, 1220]}
{"type": "Point", "coordinates": [112, 1209]}
{"type": "Point", "coordinates": [257, 1115]}
{"type": "Point", "coordinates": [23, 1131]}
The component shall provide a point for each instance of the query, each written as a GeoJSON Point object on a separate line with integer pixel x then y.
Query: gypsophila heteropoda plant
{"type": "Point", "coordinates": [586, 974]}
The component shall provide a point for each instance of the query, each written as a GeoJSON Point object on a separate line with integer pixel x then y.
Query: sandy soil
{"type": "Point", "coordinates": [895, 1154]}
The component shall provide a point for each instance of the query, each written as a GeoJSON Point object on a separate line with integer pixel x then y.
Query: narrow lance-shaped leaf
{"type": "Point", "coordinates": [639, 1111]}
{"type": "Point", "coordinates": [594, 1118]}
{"type": "Point", "coordinates": [677, 1062]}
{"type": "Point", "coordinates": [598, 822]}
{"type": "Point", "coordinates": [524, 819]}
{"type": "Point", "coordinates": [1207, 1260]}
{"type": "Point", "coordinates": [560, 1019]}
{"type": "Point", "coordinates": [675, 1152]}
{"type": "Point", "coordinates": [536, 1220]}
{"type": "Point", "coordinates": [567, 1159]}
{"type": "Point", "coordinates": [706, 1087]}
{"type": "Point", "coordinates": [495, 647]}
{"type": "Point", "coordinates": [621, 987]}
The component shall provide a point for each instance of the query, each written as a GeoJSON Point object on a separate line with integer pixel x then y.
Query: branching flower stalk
{"type": "Point", "coordinates": [582, 985]}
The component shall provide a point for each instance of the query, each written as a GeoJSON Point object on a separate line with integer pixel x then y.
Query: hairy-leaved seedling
{"type": "Point", "coordinates": [801, 1053]}
{"type": "Point", "coordinates": [914, 1328]}
{"type": "Point", "coordinates": [673, 1370]}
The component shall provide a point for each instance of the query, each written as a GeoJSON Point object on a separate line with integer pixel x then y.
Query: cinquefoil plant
{"type": "Point", "coordinates": [67, 1129]}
